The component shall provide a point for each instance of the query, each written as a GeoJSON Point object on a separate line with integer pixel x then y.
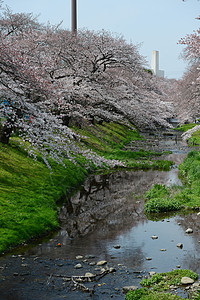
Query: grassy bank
{"type": "Point", "coordinates": [162, 199]}
{"type": "Point", "coordinates": [155, 287]}
{"type": "Point", "coordinates": [28, 191]}
{"type": "Point", "coordinates": [194, 140]}
{"type": "Point", "coordinates": [28, 194]}
{"type": "Point", "coordinates": [109, 139]}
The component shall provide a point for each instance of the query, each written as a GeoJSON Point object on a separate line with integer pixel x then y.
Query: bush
{"type": "Point", "coordinates": [158, 205]}
{"type": "Point", "coordinates": [158, 190]}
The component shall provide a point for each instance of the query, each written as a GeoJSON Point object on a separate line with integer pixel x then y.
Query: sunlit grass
{"type": "Point", "coordinates": [29, 191]}
{"type": "Point", "coordinates": [28, 194]}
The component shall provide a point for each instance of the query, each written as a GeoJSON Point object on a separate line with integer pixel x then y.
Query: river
{"type": "Point", "coordinates": [105, 220]}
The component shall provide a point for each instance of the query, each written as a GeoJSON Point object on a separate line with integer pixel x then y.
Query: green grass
{"type": "Point", "coordinates": [185, 127]}
{"type": "Point", "coordinates": [109, 139]}
{"type": "Point", "coordinates": [159, 284]}
{"type": "Point", "coordinates": [160, 198]}
{"type": "Point", "coordinates": [28, 194]}
{"type": "Point", "coordinates": [195, 139]}
{"type": "Point", "coordinates": [29, 191]}
{"type": "Point", "coordinates": [145, 294]}
{"type": "Point", "coordinates": [162, 281]}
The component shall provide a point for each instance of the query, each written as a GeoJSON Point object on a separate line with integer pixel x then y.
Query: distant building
{"type": "Point", "coordinates": [155, 64]}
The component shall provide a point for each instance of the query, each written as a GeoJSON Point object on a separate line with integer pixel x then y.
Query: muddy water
{"type": "Point", "coordinates": [105, 212]}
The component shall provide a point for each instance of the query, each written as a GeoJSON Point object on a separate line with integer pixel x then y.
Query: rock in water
{"type": "Point", "coordinates": [187, 280]}
{"type": "Point", "coordinates": [189, 230]}
{"type": "Point", "coordinates": [117, 246]}
{"type": "Point", "coordinates": [78, 266]}
{"type": "Point", "coordinates": [154, 237]}
{"type": "Point", "coordinates": [101, 263]}
{"type": "Point", "coordinates": [126, 289]}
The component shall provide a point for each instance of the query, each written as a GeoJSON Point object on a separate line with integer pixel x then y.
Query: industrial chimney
{"type": "Point", "coordinates": [74, 16]}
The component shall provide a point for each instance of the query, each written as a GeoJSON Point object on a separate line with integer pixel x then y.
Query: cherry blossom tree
{"type": "Point", "coordinates": [50, 78]}
{"type": "Point", "coordinates": [189, 87]}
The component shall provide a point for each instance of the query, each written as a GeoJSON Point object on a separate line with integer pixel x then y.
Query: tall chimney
{"type": "Point", "coordinates": [74, 16]}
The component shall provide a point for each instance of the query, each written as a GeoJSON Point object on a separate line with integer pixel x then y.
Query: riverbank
{"type": "Point", "coordinates": [29, 191]}
{"type": "Point", "coordinates": [104, 221]}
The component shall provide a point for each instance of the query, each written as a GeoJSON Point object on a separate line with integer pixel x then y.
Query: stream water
{"type": "Point", "coordinates": [107, 211]}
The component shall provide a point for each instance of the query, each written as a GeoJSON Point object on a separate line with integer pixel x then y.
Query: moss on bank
{"type": "Point", "coordinates": [28, 191]}
{"type": "Point", "coordinates": [159, 284]}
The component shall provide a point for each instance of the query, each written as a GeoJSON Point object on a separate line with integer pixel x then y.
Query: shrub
{"type": "Point", "coordinates": [158, 205]}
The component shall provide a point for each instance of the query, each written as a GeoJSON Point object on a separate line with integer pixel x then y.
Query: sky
{"type": "Point", "coordinates": [151, 24]}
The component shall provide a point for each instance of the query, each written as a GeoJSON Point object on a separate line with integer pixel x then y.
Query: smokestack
{"type": "Point", "coordinates": [74, 16]}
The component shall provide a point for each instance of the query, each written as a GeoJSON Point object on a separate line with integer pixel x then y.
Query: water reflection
{"type": "Point", "coordinates": [108, 210]}
{"type": "Point", "coordinates": [114, 200]}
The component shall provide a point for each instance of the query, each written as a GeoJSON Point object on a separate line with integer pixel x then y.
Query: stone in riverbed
{"type": "Point", "coordinates": [126, 289]}
{"type": "Point", "coordinates": [189, 230]}
{"type": "Point", "coordinates": [78, 266]}
{"type": "Point", "coordinates": [154, 237]}
{"type": "Point", "coordinates": [117, 246]}
{"type": "Point", "coordinates": [88, 274]}
{"type": "Point", "coordinates": [152, 273]}
{"type": "Point", "coordinates": [101, 263]}
{"type": "Point", "coordinates": [112, 270]}
{"type": "Point", "coordinates": [187, 280]}
{"type": "Point", "coordinates": [79, 257]}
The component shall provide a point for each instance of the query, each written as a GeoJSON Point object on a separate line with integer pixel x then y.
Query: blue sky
{"type": "Point", "coordinates": [154, 24]}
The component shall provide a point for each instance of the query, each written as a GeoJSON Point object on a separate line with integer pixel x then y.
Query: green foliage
{"type": "Point", "coordinates": [137, 294]}
{"type": "Point", "coordinates": [109, 139]}
{"type": "Point", "coordinates": [190, 173]}
{"type": "Point", "coordinates": [150, 295]}
{"type": "Point", "coordinates": [158, 205]}
{"type": "Point", "coordinates": [162, 281]}
{"type": "Point", "coordinates": [28, 194]}
{"type": "Point", "coordinates": [196, 295]}
{"type": "Point", "coordinates": [148, 71]}
{"type": "Point", "coordinates": [158, 190]}
{"type": "Point", "coordinates": [188, 197]}
{"type": "Point", "coordinates": [159, 283]}
{"type": "Point", "coordinates": [28, 191]}
{"type": "Point", "coordinates": [159, 200]}
{"type": "Point", "coordinates": [185, 127]}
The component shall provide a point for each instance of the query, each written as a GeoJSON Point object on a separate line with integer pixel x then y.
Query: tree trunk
{"type": "Point", "coordinates": [5, 133]}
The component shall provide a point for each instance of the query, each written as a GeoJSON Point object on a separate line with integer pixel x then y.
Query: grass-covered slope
{"type": "Point", "coordinates": [109, 139]}
{"type": "Point", "coordinates": [28, 194]}
{"type": "Point", "coordinates": [29, 191]}
{"type": "Point", "coordinates": [160, 198]}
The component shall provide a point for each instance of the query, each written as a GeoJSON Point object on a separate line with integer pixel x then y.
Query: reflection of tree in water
{"type": "Point", "coordinates": [108, 203]}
